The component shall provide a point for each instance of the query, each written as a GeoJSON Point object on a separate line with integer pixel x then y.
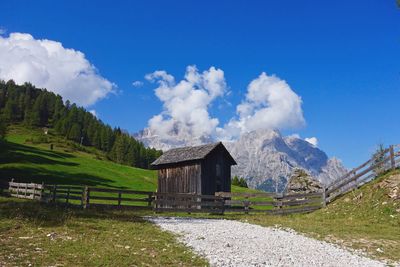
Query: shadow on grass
{"type": "Point", "coordinates": [16, 153]}
{"type": "Point", "coordinates": [48, 215]}
{"type": "Point", "coordinates": [42, 175]}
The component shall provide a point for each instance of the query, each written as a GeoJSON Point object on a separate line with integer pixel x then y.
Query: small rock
{"type": "Point", "coordinates": [127, 247]}
{"type": "Point", "coordinates": [358, 197]}
{"type": "Point", "coordinates": [25, 237]}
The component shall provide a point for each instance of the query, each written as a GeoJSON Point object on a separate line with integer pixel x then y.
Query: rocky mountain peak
{"type": "Point", "coordinates": [265, 158]}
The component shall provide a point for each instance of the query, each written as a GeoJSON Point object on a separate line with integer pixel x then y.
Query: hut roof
{"type": "Point", "coordinates": [184, 154]}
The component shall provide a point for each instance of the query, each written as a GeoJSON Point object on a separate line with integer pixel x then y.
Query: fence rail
{"type": "Point", "coordinates": [221, 202]}
{"type": "Point", "coordinates": [170, 202]}
{"type": "Point", "coordinates": [272, 203]}
{"type": "Point", "coordinates": [388, 159]}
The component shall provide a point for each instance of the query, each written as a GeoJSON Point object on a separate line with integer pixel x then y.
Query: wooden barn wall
{"type": "Point", "coordinates": [208, 171]}
{"type": "Point", "coordinates": [180, 179]}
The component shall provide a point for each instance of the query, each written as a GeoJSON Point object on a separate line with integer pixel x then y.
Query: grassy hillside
{"type": "Point", "coordinates": [367, 218]}
{"type": "Point", "coordinates": [27, 157]}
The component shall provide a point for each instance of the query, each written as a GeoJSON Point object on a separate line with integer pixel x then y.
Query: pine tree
{"type": "Point", "coordinates": [2, 129]}
{"type": "Point", "coordinates": [10, 111]}
{"type": "Point", "coordinates": [34, 117]}
{"type": "Point", "coordinates": [75, 133]}
{"type": "Point", "coordinates": [37, 108]}
{"type": "Point", "coordinates": [235, 181]}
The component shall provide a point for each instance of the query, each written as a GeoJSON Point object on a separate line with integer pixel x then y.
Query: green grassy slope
{"type": "Point", "coordinates": [26, 161]}
{"type": "Point", "coordinates": [27, 157]}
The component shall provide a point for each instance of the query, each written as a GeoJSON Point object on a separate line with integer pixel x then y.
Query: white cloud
{"type": "Point", "coordinates": [185, 103]}
{"type": "Point", "coordinates": [312, 140]}
{"type": "Point", "coordinates": [270, 103]}
{"type": "Point", "coordinates": [47, 64]}
{"type": "Point", "coordinates": [137, 84]}
{"type": "Point", "coordinates": [94, 113]}
{"type": "Point", "coordinates": [295, 135]}
{"type": "Point", "coordinates": [3, 30]}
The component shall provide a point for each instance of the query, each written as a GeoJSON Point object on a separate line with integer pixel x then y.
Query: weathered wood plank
{"type": "Point", "coordinates": [77, 187]}
{"type": "Point", "coordinates": [189, 203]}
{"type": "Point", "coordinates": [121, 199]}
{"type": "Point", "coordinates": [372, 167]}
{"type": "Point", "coordinates": [305, 195]}
{"type": "Point", "coordinates": [248, 195]}
{"type": "Point", "coordinates": [65, 196]}
{"type": "Point", "coordinates": [112, 206]}
{"type": "Point", "coordinates": [28, 185]}
{"type": "Point", "coordinates": [123, 191]}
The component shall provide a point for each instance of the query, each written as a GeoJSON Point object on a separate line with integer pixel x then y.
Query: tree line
{"type": "Point", "coordinates": [40, 108]}
{"type": "Point", "coordinates": [239, 181]}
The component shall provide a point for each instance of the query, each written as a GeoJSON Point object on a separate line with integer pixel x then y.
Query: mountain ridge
{"type": "Point", "coordinates": [265, 158]}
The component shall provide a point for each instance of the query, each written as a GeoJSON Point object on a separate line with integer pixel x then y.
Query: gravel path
{"type": "Point", "coordinates": [233, 243]}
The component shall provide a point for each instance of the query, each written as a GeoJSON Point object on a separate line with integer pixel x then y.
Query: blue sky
{"type": "Point", "coordinates": [340, 57]}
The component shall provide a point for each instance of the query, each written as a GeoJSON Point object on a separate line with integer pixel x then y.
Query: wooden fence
{"type": "Point", "coordinates": [272, 203]}
{"type": "Point", "coordinates": [63, 193]}
{"type": "Point", "coordinates": [388, 159]}
{"type": "Point", "coordinates": [178, 202]}
{"type": "Point", "coordinates": [86, 197]}
{"type": "Point", "coordinates": [121, 198]}
{"type": "Point", "coordinates": [26, 190]}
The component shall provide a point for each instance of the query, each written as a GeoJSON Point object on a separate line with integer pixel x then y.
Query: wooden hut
{"type": "Point", "coordinates": [201, 170]}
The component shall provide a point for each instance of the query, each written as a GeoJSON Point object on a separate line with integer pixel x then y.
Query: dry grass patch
{"type": "Point", "coordinates": [42, 235]}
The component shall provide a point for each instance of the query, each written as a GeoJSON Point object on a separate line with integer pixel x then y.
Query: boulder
{"type": "Point", "coordinates": [302, 182]}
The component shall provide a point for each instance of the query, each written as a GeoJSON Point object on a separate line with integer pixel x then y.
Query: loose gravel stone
{"type": "Point", "coordinates": [233, 243]}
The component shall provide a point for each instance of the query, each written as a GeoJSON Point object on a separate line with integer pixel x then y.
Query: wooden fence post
{"type": "Point", "coordinates": [246, 205]}
{"type": "Point", "coordinates": [392, 161]}
{"type": "Point", "coordinates": [54, 193]}
{"type": "Point", "coordinates": [34, 191]}
{"type": "Point", "coordinates": [67, 198]}
{"type": "Point", "coordinates": [41, 192]}
{"type": "Point", "coordinates": [9, 186]}
{"type": "Point", "coordinates": [18, 190]}
{"type": "Point", "coordinates": [324, 196]}
{"type": "Point", "coordinates": [150, 201]}
{"type": "Point", "coordinates": [86, 197]}
{"type": "Point", "coordinates": [155, 201]}
{"type": "Point", "coordinates": [222, 200]}
{"type": "Point", "coordinates": [119, 198]}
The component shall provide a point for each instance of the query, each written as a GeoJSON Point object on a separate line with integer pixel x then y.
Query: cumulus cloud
{"type": "Point", "coordinates": [270, 103]}
{"type": "Point", "coordinates": [137, 84]}
{"type": "Point", "coordinates": [47, 64]}
{"type": "Point", "coordinates": [312, 140]}
{"type": "Point", "coordinates": [185, 103]}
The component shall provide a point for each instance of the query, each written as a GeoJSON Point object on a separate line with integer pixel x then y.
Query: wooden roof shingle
{"type": "Point", "coordinates": [183, 154]}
